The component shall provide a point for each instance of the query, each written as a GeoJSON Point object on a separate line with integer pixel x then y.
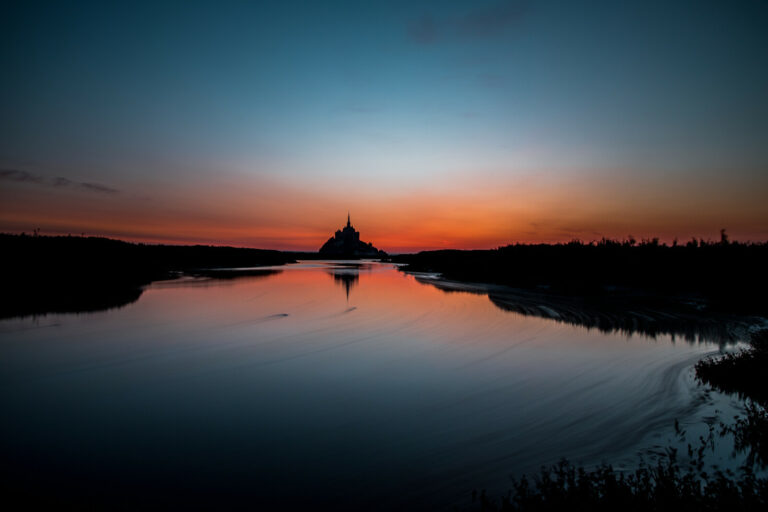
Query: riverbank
{"type": "Point", "coordinates": [709, 291]}
{"type": "Point", "coordinates": [668, 484]}
{"type": "Point", "coordinates": [69, 274]}
{"type": "Point", "coordinates": [629, 313]}
{"type": "Point", "coordinates": [741, 372]}
{"type": "Point", "coordinates": [724, 276]}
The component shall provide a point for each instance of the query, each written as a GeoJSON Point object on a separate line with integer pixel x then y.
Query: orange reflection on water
{"type": "Point", "coordinates": [320, 374]}
{"type": "Point", "coordinates": [362, 298]}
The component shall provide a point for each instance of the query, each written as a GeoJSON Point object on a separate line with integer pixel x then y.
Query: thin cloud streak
{"type": "Point", "coordinates": [57, 182]}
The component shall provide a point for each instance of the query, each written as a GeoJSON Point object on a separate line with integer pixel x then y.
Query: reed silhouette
{"type": "Point", "coordinates": [666, 485]}
{"type": "Point", "coordinates": [685, 482]}
{"type": "Point", "coordinates": [741, 372]}
{"type": "Point", "coordinates": [669, 483]}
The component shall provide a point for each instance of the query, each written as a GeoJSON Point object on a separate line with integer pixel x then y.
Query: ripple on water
{"type": "Point", "coordinates": [352, 381]}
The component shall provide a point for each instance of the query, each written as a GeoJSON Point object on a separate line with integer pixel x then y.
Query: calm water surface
{"type": "Point", "coordinates": [327, 384]}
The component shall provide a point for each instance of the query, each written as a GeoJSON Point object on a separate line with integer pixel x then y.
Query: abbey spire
{"type": "Point", "coordinates": [346, 243]}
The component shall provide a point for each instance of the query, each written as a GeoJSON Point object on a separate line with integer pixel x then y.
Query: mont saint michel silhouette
{"type": "Point", "coordinates": [346, 243]}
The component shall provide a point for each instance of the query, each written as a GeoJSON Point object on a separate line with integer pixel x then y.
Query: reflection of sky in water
{"type": "Point", "coordinates": [328, 379]}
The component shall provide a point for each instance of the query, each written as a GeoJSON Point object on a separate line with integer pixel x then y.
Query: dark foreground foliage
{"type": "Point", "coordinates": [668, 484]}
{"type": "Point", "coordinates": [58, 274]}
{"type": "Point", "coordinates": [664, 486]}
{"type": "Point", "coordinates": [743, 372]}
{"type": "Point", "coordinates": [728, 276]}
{"type": "Point", "coordinates": [750, 434]}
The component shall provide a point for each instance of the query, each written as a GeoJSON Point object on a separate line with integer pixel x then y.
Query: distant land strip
{"type": "Point", "coordinates": [67, 274]}
{"type": "Point", "coordinates": [59, 274]}
{"type": "Point", "coordinates": [718, 276]}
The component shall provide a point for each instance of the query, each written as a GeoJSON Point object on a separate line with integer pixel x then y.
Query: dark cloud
{"type": "Point", "coordinates": [23, 176]}
{"type": "Point", "coordinates": [58, 182]}
{"type": "Point", "coordinates": [482, 22]}
{"type": "Point", "coordinates": [98, 187]}
{"type": "Point", "coordinates": [61, 182]}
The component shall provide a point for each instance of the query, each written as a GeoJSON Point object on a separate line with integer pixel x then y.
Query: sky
{"type": "Point", "coordinates": [435, 124]}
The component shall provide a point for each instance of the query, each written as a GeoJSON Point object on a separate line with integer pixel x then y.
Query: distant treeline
{"type": "Point", "coordinates": [728, 275]}
{"type": "Point", "coordinates": [70, 273]}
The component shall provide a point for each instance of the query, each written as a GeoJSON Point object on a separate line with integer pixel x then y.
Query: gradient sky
{"type": "Point", "coordinates": [437, 124]}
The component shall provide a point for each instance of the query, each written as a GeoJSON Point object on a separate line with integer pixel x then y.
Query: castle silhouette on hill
{"type": "Point", "coordinates": [346, 243]}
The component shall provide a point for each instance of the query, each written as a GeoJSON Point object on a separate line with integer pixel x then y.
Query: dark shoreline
{"type": "Point", "coordinates": [741, 373]}
{"type": "Point", "coordinates": [627, 313]}
{"type": "Point", "coordinates": [670, 483]}
{"type": "Point", "coordinates": [72, 274]}
{"type": "Point", "coordinates": [671, 294]}
{"type": "Point", "coordinates": [77, 274]}
{"type": "Point", "coordinates": [727, 277]}
{"type": "Point", "coordinates": [727, 305]}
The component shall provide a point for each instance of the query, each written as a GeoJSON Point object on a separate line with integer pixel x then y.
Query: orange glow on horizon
{"type": "Point", "coordinates": [462, 214]}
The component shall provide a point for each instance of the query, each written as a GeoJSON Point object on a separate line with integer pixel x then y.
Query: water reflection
{"type": "Point", "coordinates": [103, 296]}
{"type": "Point", "coordinates": [278, 389]}
{"type": "Point", "coordinates": [235, 273]}
{"type": "Point", "coordinates": [347, 273]}
{"type": "Point", "coordinates": [346, 278]}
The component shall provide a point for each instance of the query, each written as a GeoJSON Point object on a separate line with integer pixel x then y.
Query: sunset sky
{"type": "Point", "coordinates": [436, 124]}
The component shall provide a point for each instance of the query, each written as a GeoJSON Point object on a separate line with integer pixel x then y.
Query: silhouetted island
{"type": "Point", "coordinates": [346, 243]}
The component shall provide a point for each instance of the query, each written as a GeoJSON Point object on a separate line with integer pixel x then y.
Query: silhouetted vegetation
{"type": "Point", "coordinates": [681, 483]}
{"type": "Point", "coordinates": [666, 485]}
{"type": "Point", "coordinates": [652, 315]}
{"type": "Point", "coordinates": [743, 373]}
{"type": "Point", "coordinates": [724, 275]}
{"type": "Point", "coordinates": [701, 289]}
{"type": "Point", "coordinates": [57, 274]}
{"type": "Point", "coordinates": [750, 433]}
{"type": "Point", "coordinates": [649, 316]}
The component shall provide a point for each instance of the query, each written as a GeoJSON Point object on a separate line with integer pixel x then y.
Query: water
{"type": "Point", "coordinates": [322, 383]}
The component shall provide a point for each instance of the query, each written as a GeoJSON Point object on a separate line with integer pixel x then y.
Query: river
{"type": "Point", "coordinates": [323, 383]}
